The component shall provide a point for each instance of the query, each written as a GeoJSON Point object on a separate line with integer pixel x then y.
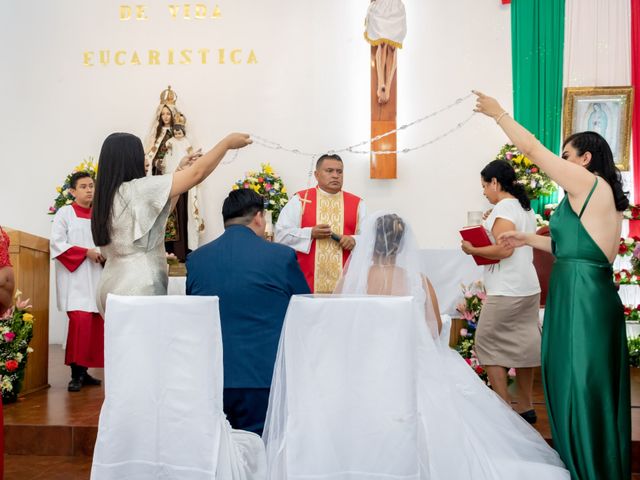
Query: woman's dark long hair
{"type": "Point", "coordinates": [121, 160]}
{"type": "Point", "coordinates": [505, 175]}
{"type": "Point", "coordinates": [601, 163]}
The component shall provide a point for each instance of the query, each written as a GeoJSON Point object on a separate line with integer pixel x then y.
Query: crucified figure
{"type": "Point", "coordinates": [386, 27]}
{"type": "Point", "coordinates": [386, 61]}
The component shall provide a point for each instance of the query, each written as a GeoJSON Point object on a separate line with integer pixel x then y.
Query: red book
{"type": "Point", "coordinates": [477, 236]}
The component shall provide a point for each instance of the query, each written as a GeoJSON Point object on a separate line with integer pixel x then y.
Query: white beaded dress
{"type": "Point", "coordinates": [136, 259]}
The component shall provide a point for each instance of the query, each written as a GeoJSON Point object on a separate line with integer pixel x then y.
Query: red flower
{"type": "Point", "coordinates": [11, 365]}
{"type": "Point", "coordinates": [479, 370]}
{"type": "Point", "coordinates": [617, 276]}
{"type": "Point", "coordinates": [260, 180]}
{"type": "Point", "coordinates": [635, 212]}
{"type": "Point", "coordinates": [534, 170]}
{"type": "Point", "coordinates": [622, 248]}
{"type": "Point", "coordinates": [627, 310]}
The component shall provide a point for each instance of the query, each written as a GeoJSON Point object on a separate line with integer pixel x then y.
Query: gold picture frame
{"type": "Point", "coordinates": [606, 110]}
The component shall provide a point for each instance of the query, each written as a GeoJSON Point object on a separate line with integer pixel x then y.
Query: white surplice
{"type": "Point", "coordinates": [75, 290]}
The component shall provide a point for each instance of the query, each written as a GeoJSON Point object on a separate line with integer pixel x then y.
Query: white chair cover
{"type": "Point", "coordinates": [343, 399]}
{"type": "Point", "coordinates": [361, 391]}
{"type": "Point", "coordinates": [162, 416]}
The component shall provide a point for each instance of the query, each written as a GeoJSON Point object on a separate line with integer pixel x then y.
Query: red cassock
{"type": "Point", "coordinates": [85, 340]}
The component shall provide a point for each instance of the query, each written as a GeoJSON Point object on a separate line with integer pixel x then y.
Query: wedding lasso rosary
{"type": "Point", "coordinates": [356, 148]}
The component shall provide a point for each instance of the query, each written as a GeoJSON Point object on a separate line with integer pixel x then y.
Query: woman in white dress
{"type": "Point", "coordinates": [386, 27]}
{"type": "Point", "coordinates": [469, 431]}
{"type": "Point", "coordinates": [130, 212]}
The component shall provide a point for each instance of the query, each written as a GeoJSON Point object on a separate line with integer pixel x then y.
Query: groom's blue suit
{"type": "Point", "coordinates": [254, 280]}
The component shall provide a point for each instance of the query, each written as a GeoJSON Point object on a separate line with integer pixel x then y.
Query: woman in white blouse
{"type": "Point", "coordinates": [508, 334]}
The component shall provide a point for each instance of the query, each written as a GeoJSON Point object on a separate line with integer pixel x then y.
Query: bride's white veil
{"type": "Point", "coordinates": [386, 261]}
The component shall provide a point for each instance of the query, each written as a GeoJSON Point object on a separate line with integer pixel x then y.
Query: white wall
{"type": "Point", "coordinates": [309, 89]}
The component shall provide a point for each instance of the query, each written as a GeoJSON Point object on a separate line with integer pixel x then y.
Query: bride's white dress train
{"type": "Point", "coordinates": [461, 429]}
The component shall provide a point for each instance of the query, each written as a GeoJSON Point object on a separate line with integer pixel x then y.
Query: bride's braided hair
{"type": "Point", "coordinates": [389, 233]}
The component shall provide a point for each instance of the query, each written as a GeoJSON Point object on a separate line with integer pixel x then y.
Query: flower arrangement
{"type": "Point", "coordinates": [634, 351]}
{"type": "Point", "coordinates": [16, 330]}
{"type": "Point", "coordinates": [625, 277]}
{"type": "Point", "coordinates": [64, 196]}
{"type": "Point", "coordinates": [471, 306]}
{"type": "Point", "coordinates": [632, 212]}
{"type": "Point", "coordinates": [535, 181]}
{"type": "Point", "coordinates": [268, 184]}
{"type": "Point", "coordinates": [632, 313]}
{"type": "Point", "coordinates": [628, 246]}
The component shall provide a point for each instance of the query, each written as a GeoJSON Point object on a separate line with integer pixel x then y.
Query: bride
{"type": "Point", "coordinates": [468, 431]}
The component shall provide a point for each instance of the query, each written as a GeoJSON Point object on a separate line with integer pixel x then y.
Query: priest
{"type": "Point", "coordinates": [321, 224]}
{"type": "Point", "coordinates": [78, 270]}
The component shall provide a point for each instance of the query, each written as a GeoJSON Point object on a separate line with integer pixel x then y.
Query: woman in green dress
{"type": "Point", "coordinates": [585, 368]}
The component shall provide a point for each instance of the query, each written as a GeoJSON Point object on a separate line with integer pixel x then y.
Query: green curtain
{"type": "Point", "coordinates": [537, 37]}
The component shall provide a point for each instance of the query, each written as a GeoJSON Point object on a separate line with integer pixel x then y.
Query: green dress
{"type": "Point", "coordinates": [585, 368]}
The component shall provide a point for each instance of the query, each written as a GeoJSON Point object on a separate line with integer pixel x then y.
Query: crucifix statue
{"type": "Point", "coordinates": [386, 27]}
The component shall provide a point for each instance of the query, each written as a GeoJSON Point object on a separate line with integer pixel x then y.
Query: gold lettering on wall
{"type": "Point", "coordinates": [199, 11]}
{"type": "Point", "coordinates": [140, 15]}
{"type": "Point", "coordinates": [135, 59]}
{"type": "Point", "coordinates": [186, 57]}
{"type": "Point", "coordinates": [87, 57]}
{"type": "Point", "coordinates": [117, 57]}
{"type": "Point", "coordinates": [203, 55]}
{"type": "Point", "coordinates": [126, 12]}
{"type": "Point", "coordinates": [154, 57]}
{"type": "Point", "coordinates": [104, 57]}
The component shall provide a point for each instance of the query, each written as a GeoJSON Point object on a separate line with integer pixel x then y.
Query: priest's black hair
{"type": "Point", "coordinates": [121, 160]}
{"type": "Point", "coordinates": [601, 163]}
{"type": "Point", "coordinates": [505, 175]}
{"type": "Point", "coordinates": [242, 205]}
{"type": "Point", "coordinates": [328, 156]}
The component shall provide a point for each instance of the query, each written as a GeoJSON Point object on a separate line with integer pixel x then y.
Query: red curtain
{"type": "Point", "coordinates": [634, 226]}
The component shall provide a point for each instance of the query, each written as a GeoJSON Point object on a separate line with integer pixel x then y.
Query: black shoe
{"type": "Point", "coordinates": [74, 385]}
{"type": "Point", "coordinates": [530, 416]}
{"type": "Point", "coordinates": [89, 380]}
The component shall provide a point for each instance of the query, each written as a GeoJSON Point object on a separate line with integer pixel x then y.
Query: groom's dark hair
{"type": "Point", "coordinates": [241, 206]}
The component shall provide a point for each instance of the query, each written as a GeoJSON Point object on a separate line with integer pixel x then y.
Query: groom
{"type": "Point", "coordinates": [254, 280]}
